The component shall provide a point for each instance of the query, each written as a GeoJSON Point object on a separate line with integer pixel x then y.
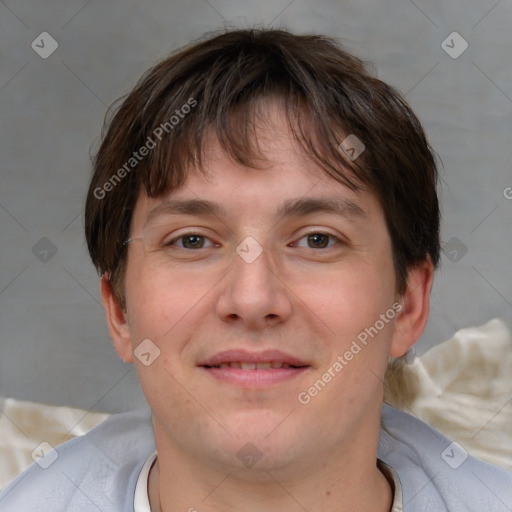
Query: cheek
{"type": "Point", "coordinates": [355, 314]}
{"type": "Point", "coordinates": [160, 303]}
{"type": "Point", "coordinates": [348, 299]}
{"type": "Point", "coordinates": [163, 310]}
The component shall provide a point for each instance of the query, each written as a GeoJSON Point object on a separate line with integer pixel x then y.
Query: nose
{"type": "Point", "coordinates": [253, 293]}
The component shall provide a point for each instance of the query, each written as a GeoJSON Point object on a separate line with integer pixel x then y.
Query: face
{"type": "Point", "coordinates": [270, 296]}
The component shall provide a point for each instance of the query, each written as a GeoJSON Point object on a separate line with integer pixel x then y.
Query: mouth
{"type": "Point", "coordinates": [269, 365]}
{"type": "Point", "coordinates": [253, 370]}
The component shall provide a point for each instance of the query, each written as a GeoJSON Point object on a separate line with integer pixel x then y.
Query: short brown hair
{"type": "Point", "coordinates": [327, 94]}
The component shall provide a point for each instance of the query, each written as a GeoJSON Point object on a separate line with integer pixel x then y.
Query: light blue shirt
{"type": "Point", "coordinates": [99, 471]}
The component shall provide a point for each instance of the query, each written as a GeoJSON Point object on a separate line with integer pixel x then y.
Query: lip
{"type": "Point", "coordinates": [254, 378]}
{"type": "Point", "coordinates": [229, 356]}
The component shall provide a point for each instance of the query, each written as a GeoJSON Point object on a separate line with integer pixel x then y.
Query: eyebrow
{"type": "Point", "coordinates": [309, 205]}
{"type": "Point", "coordinates": [290, 208]}
{"type": "Point", "coordinates": [187, 207]}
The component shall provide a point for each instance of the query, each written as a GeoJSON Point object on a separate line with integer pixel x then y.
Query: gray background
{"type": "Point", "coordinates": [54, 344]}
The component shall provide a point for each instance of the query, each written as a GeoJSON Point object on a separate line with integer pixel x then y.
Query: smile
{"type": "Point", "coordinates": [254, 366]}
{"type": "Point", "coordinates": [259, 370]}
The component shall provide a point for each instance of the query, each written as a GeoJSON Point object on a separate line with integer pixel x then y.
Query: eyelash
{"type": "Point", "coordinates": [172, 243]}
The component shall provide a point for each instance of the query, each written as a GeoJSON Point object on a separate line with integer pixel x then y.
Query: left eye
{"type": "Point", "coordinates": [191, 241]}
{"type": "Point", "coordinates": [317, 241]}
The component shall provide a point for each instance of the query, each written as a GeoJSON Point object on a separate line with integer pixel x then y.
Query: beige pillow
{"type": "Point", "coordinates": [25, 425]}
{"type": "Point", "coordinates": [463, 388]}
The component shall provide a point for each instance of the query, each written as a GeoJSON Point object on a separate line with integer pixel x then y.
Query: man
{"type": "Point", "coordinates": [264, 217]}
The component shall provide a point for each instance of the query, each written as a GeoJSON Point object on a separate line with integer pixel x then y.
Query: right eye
{"type": "Point", "coordinates": [190, 241]}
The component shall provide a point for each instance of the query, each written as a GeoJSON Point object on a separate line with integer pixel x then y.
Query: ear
{"type": "Point", "coordinates": [116, 319]}
{"type": "Point", "coordinates": [412, 319]}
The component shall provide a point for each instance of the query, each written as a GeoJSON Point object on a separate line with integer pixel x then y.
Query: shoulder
{"type": "Point", "coordinates": [96, 471]}
{"type": "Point", "coordinates": [437, 474]}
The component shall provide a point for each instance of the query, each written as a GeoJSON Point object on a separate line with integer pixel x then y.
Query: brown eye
{"type": "Point", "coordinates": [318, 240]}
{"type": "Point", "coordinates": [193, 241]}
{"type": "Point", "coordinates": [190, 241]}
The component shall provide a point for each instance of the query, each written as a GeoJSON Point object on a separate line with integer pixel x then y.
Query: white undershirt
{"type": "Point", "coordinates": [141, 499]}
{"type": "Point", "coordinates": [397, 494]}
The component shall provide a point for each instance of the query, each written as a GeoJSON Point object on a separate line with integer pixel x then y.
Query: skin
{"type": "Point", "coordinates": [311, 302]}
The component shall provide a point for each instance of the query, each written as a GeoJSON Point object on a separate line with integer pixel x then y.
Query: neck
{"type": "Point", "coordinates": [230, 495]}
{"type": "Point", "coordinates": [345, 480]}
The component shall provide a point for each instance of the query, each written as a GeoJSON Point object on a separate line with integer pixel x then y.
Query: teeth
{"type": "Point", "coordinates": [254, 366]}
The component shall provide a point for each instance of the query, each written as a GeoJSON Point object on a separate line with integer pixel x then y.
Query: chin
{"type": "Point", "coordinates": [259, 440]}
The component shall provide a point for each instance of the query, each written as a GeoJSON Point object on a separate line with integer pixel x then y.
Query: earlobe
{"type": "Point", "coordinates": [116, 319]}
{"type": "Point", "coordinates": [412, 319]}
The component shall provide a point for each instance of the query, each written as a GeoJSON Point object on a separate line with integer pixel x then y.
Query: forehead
{"type": "Point", "coordinates": [284, 175]}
